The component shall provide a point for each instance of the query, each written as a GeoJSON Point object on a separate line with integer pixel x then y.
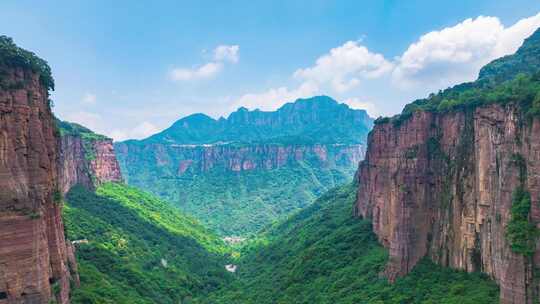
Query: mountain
{"type": "Point", "coordinates": [135, 248]}
{"type": "Point", "coordinates": [36, 261]}
{"type": "Point", "coordinates": [311, 120]}
{"type": "Point", "coordinates": [455, 178]}
{"type": "Point", "coordinates": [323, 254]}
{"type": "Point", "coordinates": [241, 173]}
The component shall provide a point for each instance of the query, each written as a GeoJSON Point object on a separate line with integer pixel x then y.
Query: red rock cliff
{"type": "Point", "coordinates": [88, 162]}
{"type": "Point", "coordinates": [201, 158]}
{"type": "Point", "coordinates": [34, 254]}
{"type": "Point", "coordinates": [440, 185]}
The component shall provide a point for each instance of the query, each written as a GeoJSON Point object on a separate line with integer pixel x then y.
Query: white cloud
{"type": "Point", "coordinates": [143, 130]}
{"type": "Point", "coordinates": [227, 53]}
{"type": "Point", "coordinates": [222, 54]}
{"type": "Point", "coordinates": [370, 107]}
{"type": "Point", "coordinates": [436, 60]}
{"type": "Point", "coordinates": [89, 99]}
{"type": "Point", "coordinates": [90, 120]}
{"type": "Point", "coordinates": [208, 70]}
{"type": "Point", "coordinates": [343, 67]}
{"type": "Point", "coordinates": [276, 97]}
{"type": "Point", "coordinates": [456, 54]}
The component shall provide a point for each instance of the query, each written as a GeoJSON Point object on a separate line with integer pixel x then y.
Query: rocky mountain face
{"type": "Point", "coordinates": [196, 159]}
{"type": "Point", "coordinates": [85, 158]}
{"type": "Point", "coordinates": [36, 261]}
{"type": "Point", "coordinates": [461, 186]}
{"type": "Point", "coordinates": [241, 162]}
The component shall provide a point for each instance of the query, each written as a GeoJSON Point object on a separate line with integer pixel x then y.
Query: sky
{"type": "Point", "coordinates": [128, 69]}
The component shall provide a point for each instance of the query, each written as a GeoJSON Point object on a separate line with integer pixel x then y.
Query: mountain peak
{"type": "Point", "coordinates": [319, 119]}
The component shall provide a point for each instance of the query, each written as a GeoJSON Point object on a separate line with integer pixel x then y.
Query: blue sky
{"type": "Point", "coordinates": [128, 69]}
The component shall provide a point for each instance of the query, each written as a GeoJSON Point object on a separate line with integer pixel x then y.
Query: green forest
{"type": "Point", "coordinates": [140, 250]}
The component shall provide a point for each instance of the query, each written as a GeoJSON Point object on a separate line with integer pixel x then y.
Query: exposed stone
{"type": "Point", "coordinates": [202, 158]}
{"type": "Point", "coordinates": [440, 185]}
{"type": "Point", "coordinates": [34, 265]}
{"type": "Point", "coordinates": [87, 162]}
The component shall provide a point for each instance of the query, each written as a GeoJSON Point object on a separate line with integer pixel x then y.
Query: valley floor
{"type": "Point", "coordinates": [140, 250]}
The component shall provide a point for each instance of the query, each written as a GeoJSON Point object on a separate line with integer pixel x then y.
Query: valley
{"type": "Point", "coordinates": [313, 202]}
{"type": "Point", "coordinates": [239, 174]}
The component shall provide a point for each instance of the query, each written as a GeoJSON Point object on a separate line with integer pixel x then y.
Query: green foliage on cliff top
{"type": "Point", "coordinates": [67, 128]}
{"type": "Point", "coordinates": [325, 255]}
{"type": "Point", "coordinates": [510, 79]}
{"type": "Point", "coordinates": [140, 250]}
{"type": "Point", "coordinates": [13, 56]}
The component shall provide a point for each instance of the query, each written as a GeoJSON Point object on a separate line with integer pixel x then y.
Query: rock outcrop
{"type": "Point", "coordinates": [86, 158]}
{"type": "Point", "coordinates": [34, 254]}
{"type": "Point", "coordinates": [441, 184]}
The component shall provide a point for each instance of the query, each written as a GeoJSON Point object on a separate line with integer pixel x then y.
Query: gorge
{"type": "Point", "coordinates": [315, 202]}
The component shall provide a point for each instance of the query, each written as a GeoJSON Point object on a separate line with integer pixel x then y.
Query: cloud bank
{"type": "Point", "coordinates": [436, 60]}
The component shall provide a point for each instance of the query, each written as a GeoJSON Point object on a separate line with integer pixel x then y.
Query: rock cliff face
{"type": "Point", "coordinates": [35, 264]}
{"type": "Point", "coordinates": [440, 185]}
{"type": "Point", "coordinates": [185, 159]}
{"type": "Point", "coordinates": [86, 161]}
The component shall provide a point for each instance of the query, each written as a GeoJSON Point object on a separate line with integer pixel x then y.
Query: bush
{"type": "Point", "coordinates": [520, 232]}
{"type": "Point", "coordinates": [13, 56]}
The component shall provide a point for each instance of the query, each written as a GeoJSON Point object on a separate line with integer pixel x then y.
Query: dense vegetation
{"type": "Point", "coordinates": [513, 79]}
{"type": "Point", "coordinates": [139, 250]}
{"type": "Point", "coordinates": [240, 203]}
{"type": "Point", "coordinates": [13, 56]}
{"type": "Point", "coordinates": [325, 255]}
{"type": "Point", "coordinates": [73, 129]}
{"type": "Point", "coordinates": [318, 119]}
{"type": "Point", "coordinates": [521, 232]}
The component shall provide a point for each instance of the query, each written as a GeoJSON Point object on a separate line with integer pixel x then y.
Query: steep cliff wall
{"type": "Point", "coordinates": [441, 185]}
{"type": "Point", "coordinates": [34, 255]}
{"type": "Point", "coordinates": [85, 158]}
{"type": "Point", "coordinates": [184, 159]}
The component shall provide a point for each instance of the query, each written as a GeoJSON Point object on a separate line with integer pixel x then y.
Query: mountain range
{"type": "Point", "coordinates": [241, 173]}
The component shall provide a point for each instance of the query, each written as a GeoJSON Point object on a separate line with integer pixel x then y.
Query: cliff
{"type": "Point", "coordinates": [456, 178]}
{"type": "Point", "coordinates": [86, 158]}
{"type": "Point", "coordinates": [36, 261]}
{"type": "Point", "coordinates": [182, 160]}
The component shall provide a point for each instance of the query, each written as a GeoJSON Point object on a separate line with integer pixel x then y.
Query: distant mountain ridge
{"type": "Point", "coordinates": [309, 120]}
{"type": "Point", "coordinates": [238, 174]}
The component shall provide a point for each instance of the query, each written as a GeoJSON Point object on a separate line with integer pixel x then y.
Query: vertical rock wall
{"type": "Point", "coordinates": [88, 162]}
{"type": "Point", "coordinates": [440, 185]}
{"type": "Point", "coordinates": [34, 264]}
